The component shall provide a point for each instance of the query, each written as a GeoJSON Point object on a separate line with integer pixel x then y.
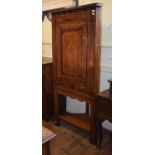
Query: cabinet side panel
{"type": "Point", "coordinates": [97, 49]}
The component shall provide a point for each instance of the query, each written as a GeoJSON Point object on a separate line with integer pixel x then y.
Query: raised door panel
{"type": "Point", "coordinates": [72, 45]}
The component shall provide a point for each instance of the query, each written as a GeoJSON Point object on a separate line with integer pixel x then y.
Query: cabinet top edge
{"type": "Point", "coordinates": [64, 9]}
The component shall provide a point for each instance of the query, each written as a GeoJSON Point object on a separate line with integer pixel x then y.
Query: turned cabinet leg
{"type": "Point", "coordinates": [56, 108]}
{"type": "Point", "coordinates": [93, 133]}
{"type": "Point", "coordinates": [99, 133]}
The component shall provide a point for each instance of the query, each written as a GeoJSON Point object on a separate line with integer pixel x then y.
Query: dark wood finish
{"type": "Point", "coordinates": [47, 136]}
{"type": "Point", "coordinates": [87, 108]}
{"type": "Point", "coordinates": [46, 148]}
{"type": "Point", "coordinates": [76, 58]}
{"type": "Point", "coordinates": [110, 82]}
{"type": "Point", "coordinates": [104, 112]}
{"type": "Point", "coordinates": [47, 88]}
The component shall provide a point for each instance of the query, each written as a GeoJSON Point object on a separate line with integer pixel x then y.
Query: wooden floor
{"type": "Point", "coordinates": [73, 141]}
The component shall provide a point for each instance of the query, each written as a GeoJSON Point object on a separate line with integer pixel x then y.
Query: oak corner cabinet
{"type": "Point", "coordinates": [76, 62]}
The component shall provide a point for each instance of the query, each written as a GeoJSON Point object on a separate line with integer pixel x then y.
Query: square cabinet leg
{"type": "Point", "coordinates": [59, 106]}
{"type": "Point", "coordinates": [99, 133]}
{"type": "Point", "coordinates": [46, 149]}
{"type": "Point", "coordinates": [93, 133]}
{"type": "Point", "coordinates": [56, 108]}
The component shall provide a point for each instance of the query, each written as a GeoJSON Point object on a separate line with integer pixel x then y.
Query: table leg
{"type": "Point", "coordinates": [99, 133]}
{"type": "Point", "coordinates": [46, 148]}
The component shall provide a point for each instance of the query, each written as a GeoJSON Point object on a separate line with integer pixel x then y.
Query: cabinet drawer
{"type": "Point", "coordinates": [72, 85]}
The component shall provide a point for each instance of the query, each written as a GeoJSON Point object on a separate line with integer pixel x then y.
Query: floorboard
{"type": "Point", "coordinates": [70, 140]}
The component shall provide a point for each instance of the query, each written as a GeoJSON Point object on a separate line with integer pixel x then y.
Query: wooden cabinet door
{"type": "Point", "coordinates": [71, 52]}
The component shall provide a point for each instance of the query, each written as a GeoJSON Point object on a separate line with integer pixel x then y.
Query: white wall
{"type": "Point", "coordinates": [52, 4]}
{"type": "Point", "coordinates": [46, 38]}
